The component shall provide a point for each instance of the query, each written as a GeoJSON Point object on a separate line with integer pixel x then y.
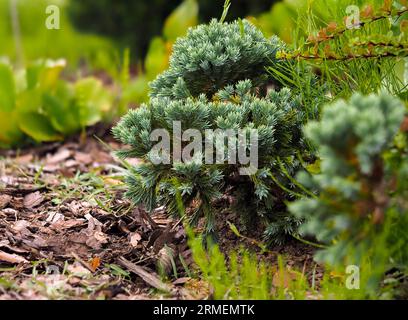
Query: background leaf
{"type": "Point", "coordinates": [183, 17]}
{"type": "Point", "coordinates": [91, 100]}
{"type": "Point", "coordinates": [157, 59]}
{"type": "Point", "coordinates": [38, 127]}
{"type": "Point", "coordinates": [10, 133]}
{"type": "Point", "coordinates": [7, 88]}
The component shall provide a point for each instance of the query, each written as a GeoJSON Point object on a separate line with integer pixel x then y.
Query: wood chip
{"type": "Point", "coordinates": [82, 262]}
{"type": "Point", "coordinates": [134, 239]}
{"type": "Point", "coordinates": [20, 190]}
{"type": "Point", "coordinates": [12, 258]}
{"type": "Point", "coordinates": [20, 227]}
{"type": "Point", "coordinates": [97, 240]}
{"type": "Point", "coordinates": [4, 200]}
{"type": "Point", "coordinates": [54, 217]}
{"type": "Point", "coordinates": [67, 224]}
{"type": "Point", "coordinates": [60, 156]}
{"type": "Point", "coordinates": [181, 281]}
{"type": "Point", "coordinates": [27, 158]}
{"type": "Point", "coordinates": [10, 211]}
{"type": "Point", "coordinates": [70, 164]}
{"type": "Point", "coordinates": [83, 158]}
{"type": "Point", "coordinates": [150, 278]}
{"type": "Point", "coordinates": [33, 200]}
{"type": "Point", "coordinates": [78, 270]}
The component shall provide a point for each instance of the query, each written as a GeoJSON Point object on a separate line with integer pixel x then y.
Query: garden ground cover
{"type": "Point", "coordinates": [66, 231]}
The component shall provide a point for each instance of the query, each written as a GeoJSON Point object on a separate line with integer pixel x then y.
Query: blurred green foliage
{"type": "Point", "coordinates": [284, 17]}
{"type": "Point", "coordinates": [134, 23]}
{"type": "Point", "coordinates": [130, 23]}
{"type": "Point", "coordinates": [36, 104]}
{"type": "Point", "coordinates": [349, 59]}
{"type": "Point", "coordinates": [159, 51]}
{"type": "Point", "coordinates": [294, 20]}
{"type": "Point", "coordinates": [210, 9]}
{"type": "Point", "coordinates": [362, 186]}
{"type": "Point", "coordinates": [281, 19]}
{"type": "Point", "coordinates": [183, 17]}
{"type": "Point", "coordinates": [38, 42]}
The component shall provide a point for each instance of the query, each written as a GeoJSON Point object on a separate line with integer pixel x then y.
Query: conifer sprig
{"type": "Point", "coordinates": [215, 55]}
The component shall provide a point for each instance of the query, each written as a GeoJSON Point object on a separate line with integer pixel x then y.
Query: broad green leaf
{"type": "Point", "coordinates": [44, 74]}
{"type": "Point", "coordinates": [60, 107]}
{"type": "Point", "coordinates": [7, 88]}
{"type": "Point", "coordinates": [36, 102]}
{"type": "Point", "coordinates": [281, 19]}
{"type": "Point", "coordinates": [29, 101]}
{"type": "Point", "coordinates": [38, 127]}
{"type": "Point", "coordinates": [33, 74]}
{"type": "Point", "coordinates": [63, 114]}
{"type": "Point", "coordinates": [51, 73]}
{"type": "Point", "coordinates": [10, 133]}
{"type": "Point", "coordinates": [91, 100]}
{"type": "Point", "coordinates": [157, 58]}
{"type": "Point", "coordinates": [183, 17]}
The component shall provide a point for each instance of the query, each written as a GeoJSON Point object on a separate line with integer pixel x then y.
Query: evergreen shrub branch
{"type": "Point", "coordinates": [215, 55]}
{"type": "Point", "coordinates": [362, 179]}
{"type": "Point", "coordinates": [216, 80]}
{"type": "Point", "coordinates": [278, 119]}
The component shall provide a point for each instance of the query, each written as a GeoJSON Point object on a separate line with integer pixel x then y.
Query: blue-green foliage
{"type": "Point", "coordinates": [277, 117]}
{"type": "Point", "coordinates": [215, 55]}
{"type": "Point", "coordinates": [217, 80]}
{"type": "Point", "coordinates": [362, 189]}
